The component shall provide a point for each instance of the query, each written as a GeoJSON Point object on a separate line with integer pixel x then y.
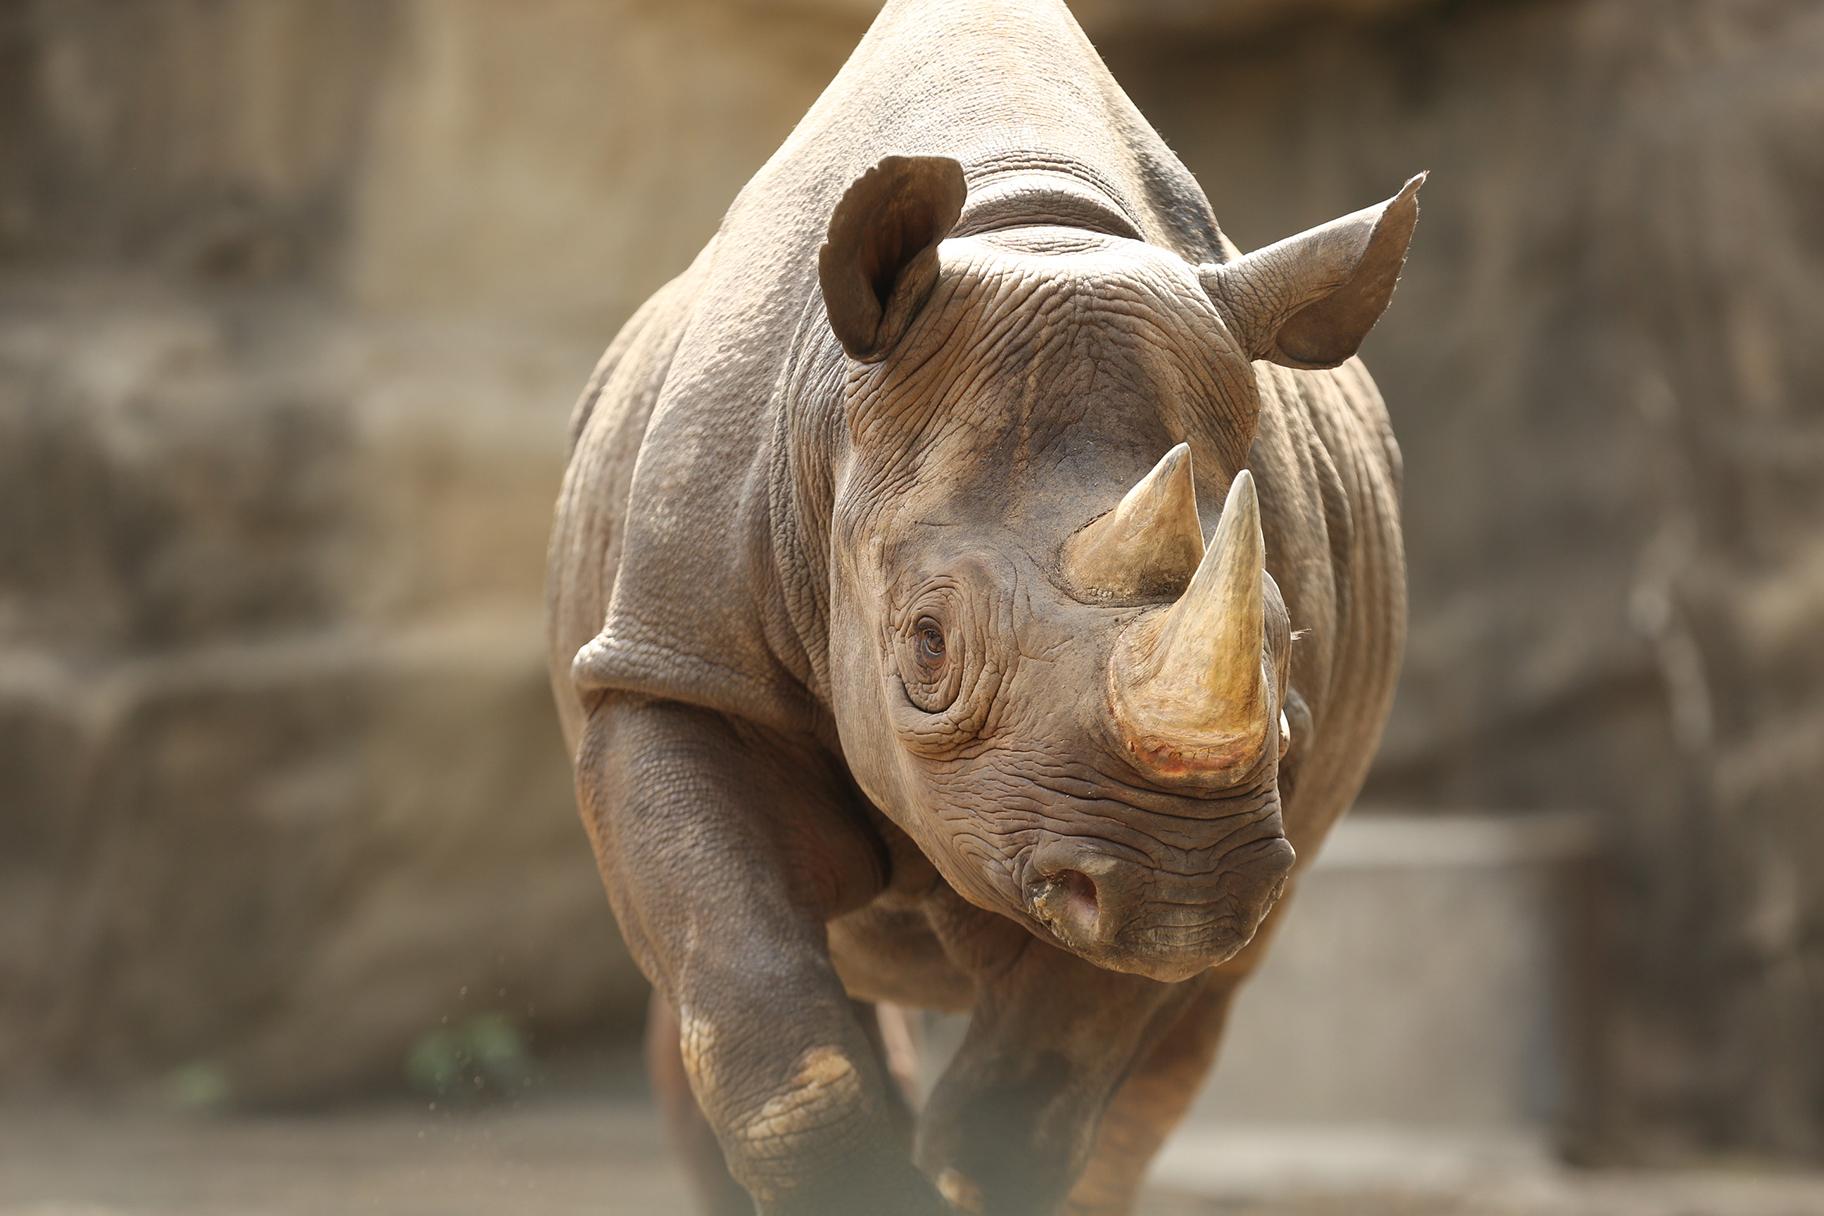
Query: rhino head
{"type": "Point", "coordinates": [1044, 667]}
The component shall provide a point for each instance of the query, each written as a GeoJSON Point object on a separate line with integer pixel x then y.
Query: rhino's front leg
{"type": "Point", "coordinates": [1011, 1123]}
{"type": "Point", "coordinates": [723, 859]}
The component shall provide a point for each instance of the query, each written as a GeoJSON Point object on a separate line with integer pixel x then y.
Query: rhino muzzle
{"type": "Point", "coordinates": [1109, 911]}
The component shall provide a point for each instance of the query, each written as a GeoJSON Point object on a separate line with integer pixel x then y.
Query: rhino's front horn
{"type": "Point", "coordinates": [1149, 545]}
{"type": "Point", "coordinates": [1187, 685]}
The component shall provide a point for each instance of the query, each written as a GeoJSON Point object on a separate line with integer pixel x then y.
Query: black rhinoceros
{"type": "Point", "coordinates": [973, 579]}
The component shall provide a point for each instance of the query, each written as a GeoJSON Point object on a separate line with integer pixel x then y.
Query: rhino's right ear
{"type": "Point", "coordinates": [1309, 300]}
{"type": "Point", "coordinates": [880, 261]}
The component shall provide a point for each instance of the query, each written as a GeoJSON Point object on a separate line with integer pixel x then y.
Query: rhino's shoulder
{"type": "Point", "coordinates": [695, 608]}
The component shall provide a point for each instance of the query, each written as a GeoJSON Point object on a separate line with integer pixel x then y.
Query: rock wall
{"type": "Point", "coordinates": [294, 298]}
{"type": "Point", "coordinates": [282, 789]}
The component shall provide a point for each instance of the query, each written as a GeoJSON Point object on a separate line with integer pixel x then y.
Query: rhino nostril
{"type": "Point", "coordinates": [1080, 889]}
{"type": "Point", "coordinates": [1066, 901]}
{"type": "Point", "coordinates": [1080, 894]}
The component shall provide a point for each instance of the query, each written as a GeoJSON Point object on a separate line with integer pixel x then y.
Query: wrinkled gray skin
{"type": "Point", "coordinates": [841, 715]}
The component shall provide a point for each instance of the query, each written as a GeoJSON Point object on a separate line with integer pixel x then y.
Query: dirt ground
{"type": "Point", "coordinates": [559, 1157]}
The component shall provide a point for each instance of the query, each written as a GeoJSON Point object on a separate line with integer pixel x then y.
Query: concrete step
{"type": "Point", "coordinates": [1428, 976]}
{"type": "Point", "coordinates": [1257, 1161]}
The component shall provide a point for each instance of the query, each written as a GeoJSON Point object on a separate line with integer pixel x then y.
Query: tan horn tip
{"type": "Point", "coordinates": [1243, 494]}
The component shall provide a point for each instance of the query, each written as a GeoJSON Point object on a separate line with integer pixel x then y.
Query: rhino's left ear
{"type": "Point", "coordinates": [1309, 300]}
{"type": "Point", "coordinates": [880, 261]}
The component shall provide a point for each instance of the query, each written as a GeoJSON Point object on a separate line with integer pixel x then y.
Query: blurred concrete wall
{"type": "Point", "coordinates": [294, 298]}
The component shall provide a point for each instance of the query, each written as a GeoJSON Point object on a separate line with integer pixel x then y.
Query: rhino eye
{"type": "Point", "coordinates": [928, 670]}
{"type": "Point", "coordinates": [930, 642]}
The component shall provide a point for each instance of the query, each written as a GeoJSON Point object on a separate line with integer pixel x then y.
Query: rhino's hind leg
{"type": "Point", "coordinates": [1150, 1104]}
{"type": "Point", "coordinates": [692, 1138]}
{"type": "Point", "coordinates": [1011, 1123]}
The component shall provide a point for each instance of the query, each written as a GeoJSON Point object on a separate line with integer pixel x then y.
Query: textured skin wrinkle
{"type": "Point", "coordinates": [751, 518]}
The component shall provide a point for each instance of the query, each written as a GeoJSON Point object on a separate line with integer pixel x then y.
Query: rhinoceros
{"type": "Point", "coordinates": [975, 587]}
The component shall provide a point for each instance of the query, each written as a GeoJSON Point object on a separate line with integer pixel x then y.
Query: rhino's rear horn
{"type": "Point", "coordinates": [880, 261]}
{"type": "Point", "coordinates": [1149, 545]}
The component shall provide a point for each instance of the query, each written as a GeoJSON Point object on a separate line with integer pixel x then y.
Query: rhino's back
{"type": "Point", "coordinates": [1005, 87]}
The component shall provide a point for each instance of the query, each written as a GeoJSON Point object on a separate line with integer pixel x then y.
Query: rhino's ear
{"type": "Point", "coordinates": [1309, 300]}
{"type": "Point", "coordinates": [880, 261]}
